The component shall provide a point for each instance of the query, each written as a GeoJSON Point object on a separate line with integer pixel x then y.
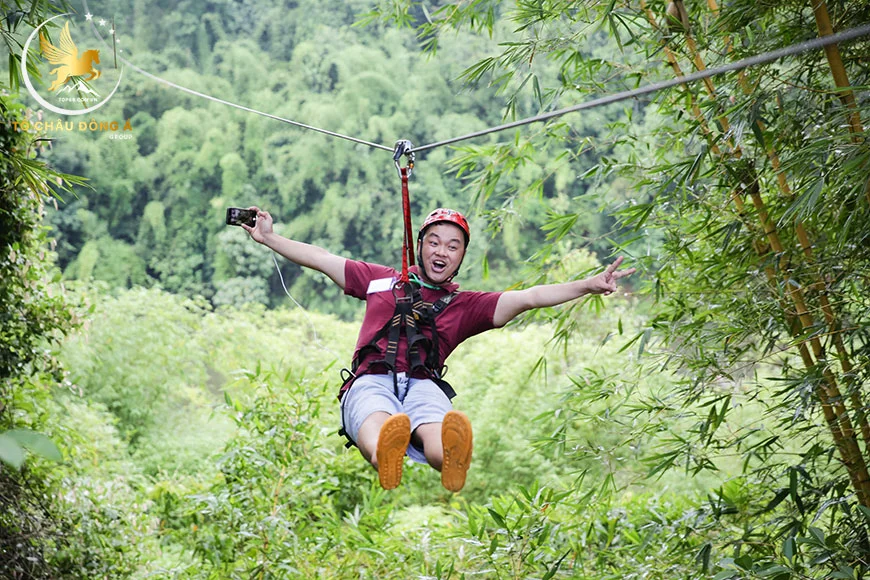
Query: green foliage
{"type": "Point", "coordinates": [198, 440]}
{"type": "Point", "coordinates": [110, 261]}
{"type": "Point", "coordinates": [79, 518]}
{"type": "Point", "coordinates": [33, 318]}
{"type": "Point", "coordinates": [17, 15]}
{"type": "Point", "coordinates": [31, 313]}
{"type": "Point", "coordinates": [156, 378]}
{"type": "Point", "coordinates": [142, 370]}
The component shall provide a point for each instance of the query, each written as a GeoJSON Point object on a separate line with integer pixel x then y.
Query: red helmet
{"type": "Point", "coordinates": [446, 215]}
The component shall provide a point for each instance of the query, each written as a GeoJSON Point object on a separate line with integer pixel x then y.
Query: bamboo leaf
{"type": "Point", "coordinates": [555, 567]}
{"type": "Point", "coordinates": [497, 517]}
{"type": "Point", "coordinates": [643, 341]}
{"type": "Point", "coordinates": [759, 135]}
{"type": "Point", "coordinates": [789, 548]}
{"type": "Point", "coordinates": [703, 556]}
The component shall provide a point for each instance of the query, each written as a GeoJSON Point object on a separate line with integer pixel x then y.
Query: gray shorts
{"type": "Point", "coordinates": [421, 399]}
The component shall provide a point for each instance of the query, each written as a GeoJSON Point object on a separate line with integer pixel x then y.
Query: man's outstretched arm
{"type": "Point", "coordinates": [313, 257]}
{"type": "Point", "coordinates": [513, 303]}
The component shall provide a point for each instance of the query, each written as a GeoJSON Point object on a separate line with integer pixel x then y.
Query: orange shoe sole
{"type": "Point", "coordinates": [393, 439]}
{"type": "Point", "coordinates": [456, 438]}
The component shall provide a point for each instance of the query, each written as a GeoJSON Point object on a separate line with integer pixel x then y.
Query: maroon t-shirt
{"type": "Point", "coordinates": [469, 313]}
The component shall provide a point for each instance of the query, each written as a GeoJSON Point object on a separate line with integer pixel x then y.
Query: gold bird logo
{"type": "Point", "coordinates": [67, 56]}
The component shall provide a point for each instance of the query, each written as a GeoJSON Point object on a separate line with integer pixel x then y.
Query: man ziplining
{"type": "Point", "coordinates": [394, 401]}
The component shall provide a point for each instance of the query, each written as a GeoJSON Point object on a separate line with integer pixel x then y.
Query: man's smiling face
{"type": "Point", "coordinates": [443, 247]}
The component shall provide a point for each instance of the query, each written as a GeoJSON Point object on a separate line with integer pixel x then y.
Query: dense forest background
{"type": "Point", "coordinates": [167, 410]}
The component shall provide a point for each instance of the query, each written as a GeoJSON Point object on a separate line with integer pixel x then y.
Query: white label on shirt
{"type": "Point", "coordinates": [381, 285]}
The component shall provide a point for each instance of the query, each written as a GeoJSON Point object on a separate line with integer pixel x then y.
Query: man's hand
{"type": "Point", "coordinates": [262, 228]}
{"type": "Point", "coordinates": [515, 302]}
{"type": "Point", "coordinates": [300, 253]}
{"type": "Point", "coordinates": [605, 282]}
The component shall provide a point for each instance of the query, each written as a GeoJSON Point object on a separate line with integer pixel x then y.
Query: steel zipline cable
{"type": "Point", "coordinates": [751, 61]}
{"type": "Point", "coordinates": [763, 58]}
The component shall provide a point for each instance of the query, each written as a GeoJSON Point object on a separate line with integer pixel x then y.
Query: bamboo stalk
{"type": "Point", "coordinates": [828, 392]}
{"type": "Point", "coordinates": [843, 435]}
{"type": "Point", "coordinates": [854, 459]}
{"type": "Point", "coordinates": [803, 238]}
{"type": "Point", "coordinates": [838, 70]}
{"type": "Point", "coordinates": [841, 78]}
{"type": "Point", "coordinates": [827, 410]}
{"type": "Point", "coordinates": [831, 391]}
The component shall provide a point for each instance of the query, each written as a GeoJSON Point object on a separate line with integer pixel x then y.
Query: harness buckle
{"type": "Point", "coordinates": [401, 287]}
{"type": "Point", "coordinates": [404, 147]}
{"type": "Point", "coordinates": [346, 375]}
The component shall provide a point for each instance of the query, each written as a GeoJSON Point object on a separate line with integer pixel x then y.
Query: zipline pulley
{"type": "Point", "coordinates": [406, 148]}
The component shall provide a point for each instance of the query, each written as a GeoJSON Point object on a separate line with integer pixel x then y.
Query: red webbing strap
{"type": "Point", "coordinates": [408, 245]}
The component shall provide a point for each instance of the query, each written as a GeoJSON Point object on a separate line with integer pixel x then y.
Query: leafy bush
{"type": "Point", "coordinates": [33, 317]}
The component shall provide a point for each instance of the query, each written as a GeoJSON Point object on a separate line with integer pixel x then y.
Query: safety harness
{"type": "Point", "coordinates": [410, 316]}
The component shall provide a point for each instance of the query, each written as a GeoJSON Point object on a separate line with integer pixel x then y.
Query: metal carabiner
{"type": "Point", "coordinates": [400, 286]}
{"type": "Point", "coordinates": [404, 147]}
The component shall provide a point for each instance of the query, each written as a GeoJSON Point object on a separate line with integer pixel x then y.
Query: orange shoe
{"type": "Point", "coordinates": [457, 441]}
{"type": "Point", "coordinates": [393, 440]}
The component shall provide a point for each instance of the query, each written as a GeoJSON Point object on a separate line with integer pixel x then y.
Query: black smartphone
{"type": "Point", "coordinates": [237, 216]}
